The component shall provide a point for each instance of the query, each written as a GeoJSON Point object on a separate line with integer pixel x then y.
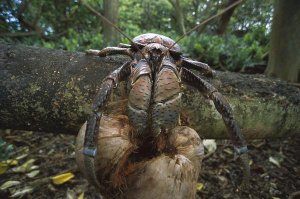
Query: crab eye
{"type": "Point", "coordinates": [137, 46]}
{"type": "Point", "coordinates": [133, 65]}
{"type": "Point", "coordinates": [175, 55]}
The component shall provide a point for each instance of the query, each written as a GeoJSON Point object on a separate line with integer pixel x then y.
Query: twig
{"type": "Point", "coordinates": [19, 34]}
{"type": "Point", "coordinates": [294, 84]}
{"type": "Point", "coordinates": [43, 146]}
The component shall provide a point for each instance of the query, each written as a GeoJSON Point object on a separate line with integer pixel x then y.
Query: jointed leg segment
{"type": "Point", "coordinates": [110, 51]}
{"type": "Point", "coordinates": [240, 147]}
{"type": "Point", "coordinates": [203, 68]}
{"type": "Point", "coordinates": [100, 100]}
{"type": "Point", "coordinates": [220, 103]}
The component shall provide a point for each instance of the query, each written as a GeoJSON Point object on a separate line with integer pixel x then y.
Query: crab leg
{"type": "Point", "coordinates": [121, 45]}
{"type": "Point", "coordinates": [93, 122]}
{"type": "Point", "coordinates": [203, 68]}
{"type": "Point", "coordinates": [110, 51]}
{"type": "Point", "coordinates": [139, 96]}
{"type": "Point", "coordinates": [223, 107]}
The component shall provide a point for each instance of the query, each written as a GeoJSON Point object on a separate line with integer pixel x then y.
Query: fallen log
{"type": "Point", "coordinates": [51, 91]}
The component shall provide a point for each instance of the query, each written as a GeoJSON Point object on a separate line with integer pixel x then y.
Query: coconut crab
{"type": "Point", "coordinates": [154, 77]}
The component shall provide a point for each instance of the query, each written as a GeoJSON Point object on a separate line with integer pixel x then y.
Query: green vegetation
{"type": "Point", "coordinates": [6, 150]}
{"type": "Point", "coordinates": [69, 25]}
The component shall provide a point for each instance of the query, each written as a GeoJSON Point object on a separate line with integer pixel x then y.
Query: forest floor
{"type": "Point", "coordinates": [274, 165]}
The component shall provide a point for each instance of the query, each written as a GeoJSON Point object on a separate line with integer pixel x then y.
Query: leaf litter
{"type": "Point", "coordinates": [46, 167]}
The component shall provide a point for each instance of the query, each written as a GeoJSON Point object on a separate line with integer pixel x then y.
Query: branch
{"type": "Point", "coordinates": [32, 33]}
{"type": "Point", "coordinates": [19, 34]}
{"type": "Point", "coordinates": [27, 24]}
{"type": "Point", "coordinates": [51, 90]}
{"type": "Point", "coordinates": [208, 20]}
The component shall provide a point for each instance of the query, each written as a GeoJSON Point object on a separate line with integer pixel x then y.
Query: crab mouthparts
{"type": "Point", "coordinates": [156, 60]}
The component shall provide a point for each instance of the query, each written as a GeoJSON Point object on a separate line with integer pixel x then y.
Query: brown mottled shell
{"type": "Point", "coordinates": [149, 38]}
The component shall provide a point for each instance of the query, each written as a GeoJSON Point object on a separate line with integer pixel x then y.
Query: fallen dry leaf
{"type": "Point", "coordinates": [81, 196]}
{"type": "Point", "coordinates": [33, 173]}
{"type": "Point", "coordinates": [22, 192]}
{"type": "Point", "coordinates": [9, 184]}
{"type": "Point", "coordinates": [25, 167]}
{"type": "Point", "coordinates": [276, 159]}
{"type": "Point", "coordinates": [62, 178]}
{"type": "Point", "coordinates": [4, 165]}
{"type": "Point", "coordinates": [210, 145]}
{"type": "Point", "coordinates": [199, 186]}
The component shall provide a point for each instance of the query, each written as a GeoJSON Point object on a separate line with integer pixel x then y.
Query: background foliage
{"type": "Point", "coordinates": [70, 26]}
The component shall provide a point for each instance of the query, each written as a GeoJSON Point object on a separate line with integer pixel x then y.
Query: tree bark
{"type": "Point", "coordinates": [284, 59]}
{"type": "Point", "coordinates": [225, 18]}
{"type": "Point", "coordinates": [51, 90]}
{"type": "Point", "coordinates": [178, 15]}
{"type": "Point", "coordinates": [111, 10]}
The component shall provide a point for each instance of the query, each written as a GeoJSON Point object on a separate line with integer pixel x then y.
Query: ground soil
{"type": "Point", "coordinates": [220, 175]}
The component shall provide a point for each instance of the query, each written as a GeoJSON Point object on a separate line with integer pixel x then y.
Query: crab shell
{"type": "Point", "coordinates": [149, 38]}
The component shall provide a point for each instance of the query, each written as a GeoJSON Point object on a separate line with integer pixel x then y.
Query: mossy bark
{"type": "Point", "coordinates": [51, 90]}
{"type": "Point", "coordinates": [284, 59]}
{"type": "Point", "coordinates": [110, 11]}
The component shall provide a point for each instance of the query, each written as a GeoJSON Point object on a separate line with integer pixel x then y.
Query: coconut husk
{"type": "Point", "coordinates": [164, 167]}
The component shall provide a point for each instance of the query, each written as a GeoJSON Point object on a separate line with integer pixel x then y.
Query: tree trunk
{"type": "Point", "coordinates": [284, 59]}
{"type": "Point", "coordinates": [225, 18]}
{"type": "Point", "coordinates": [51, 90]}
{"type": "Point", "coordinates": [111, 10]}
{"type": "Point", "coordinates": [178, 15]}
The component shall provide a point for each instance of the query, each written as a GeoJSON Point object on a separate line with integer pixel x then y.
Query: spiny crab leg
{"type": "Point", "coordinates": [93, 122]}
{"type": "Point", "coordinates": [203, 68]}
{"type": "Point", "coordinates": [223, 107]}
{"type": "Point", "coordinates": [111, 51]}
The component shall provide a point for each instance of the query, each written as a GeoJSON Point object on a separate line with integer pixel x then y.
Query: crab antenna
{"type": "Point", "coordinates": [110, 23]}
{"type": "Point", "coordinates": [206, 21]}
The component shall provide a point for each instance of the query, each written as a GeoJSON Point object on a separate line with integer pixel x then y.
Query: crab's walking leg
{"type": "Point", "coordinates": [110, 51]}
{"type": "Point", "coordinates": [93, 122]}
{"type": "Point", "coordinates": [223, 107]}
{"type": "Point", "coordinates": [203, 68]}
{"type": "Point", "coordinates": [122, 45]}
